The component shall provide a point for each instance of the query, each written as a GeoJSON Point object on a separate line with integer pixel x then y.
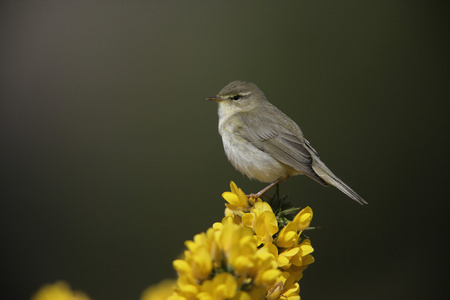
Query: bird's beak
{"type": "Point", "coordinates": [217, 99]}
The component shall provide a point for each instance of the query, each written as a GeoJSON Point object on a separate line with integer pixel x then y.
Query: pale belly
{"type": "Point", "coordinates": [253, 162]}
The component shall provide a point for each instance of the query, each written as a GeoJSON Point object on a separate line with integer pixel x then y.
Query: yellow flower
{"type": "Point", "coordinates": [239, 259]}
{"type": "Point", "coordinates": [176, 296]}
{"type": "Point", "coordinates": [302, 256]}
{"type": "Point", "coordinates": [160, 291]}
{"type": "Point", "coordinates": [238, 247]}
{"type": "Point", "coordinates": [286, 286]}
{"type": "Point", "coordinates": [266, 270]}
{"type": "Point", "coordinates": [291, 292]}
{"type": "Point", "coordinates": [303, 218]}
{"type": "Point", "coordinates": [237, 200]}
{"type": "Point", "coordinates": [282, 291]}
{"type": "Point", "coordinates": [228, 254]}
{"type": "Point", "coordinates": [275, 291]}
{"type": "Point", "coordinates": [197, 263]}
{"type": "Point", "coordinates": [288, 236]}
{"type": "Point", "coordinates": [235, 259]}
{"type": "Point", "coordinates": [262, 220]}
{"type": "Point", "coordinates": [58, 291]}
{"type": "Point", "coordinates": [199, 256]}
{"type": "Point", "coordinates": [284, 258]}
{"type": "Point", "coordinates": [222, 286]}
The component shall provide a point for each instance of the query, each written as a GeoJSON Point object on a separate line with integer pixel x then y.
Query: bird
{"type": "Point", "coordinates": [263, 143]}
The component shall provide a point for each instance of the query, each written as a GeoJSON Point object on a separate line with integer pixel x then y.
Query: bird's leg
{"type": "Point", "coordinates": [264, 190]}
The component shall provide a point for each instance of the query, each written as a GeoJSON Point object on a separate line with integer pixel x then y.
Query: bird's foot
{"type": "Point", "coordinates": [264, 190]}
{"type": "Point", "coordinates": [256, 196]}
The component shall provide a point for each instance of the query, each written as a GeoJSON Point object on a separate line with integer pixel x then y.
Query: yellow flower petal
{"type": "Point", "coordinates": [306, 248]}
{"type": "Point", "coordinates": [231, 198]}
{"type": "Point", "coordinates": [222, 286]}
{"type": "Point", "coordinates": [181, 266]}
{"type": "Point", "coordinates": [247, 219]}
{"type": "Point", "coordinates": [303, 218]}
{"type": "Point", "coordinates": [288, 236]}
{"type": "Point", "coordinates": [242, 296]}
{"type": "Point", "coordinates": [308, 259]}
{"type": "Point", "coordinates": [58, 291]}
{"type": "Point", "coordinates": [270, 276]}
{"type": "Point", "coordinates": [189, 289]}
{"type": "Point", "coordinates": [176, 296]}
{"type": "Point", "coordinates": [283, 261]}
{"type": "Point", "coordinates": [233, 187]}
{"type": "Point", "coordinates": [271, 249]}
{"type": "Point", "coordinates": [291, 252]}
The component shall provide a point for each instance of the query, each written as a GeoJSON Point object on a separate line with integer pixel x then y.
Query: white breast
{"type": "Point", "coordinates": [248, 159]}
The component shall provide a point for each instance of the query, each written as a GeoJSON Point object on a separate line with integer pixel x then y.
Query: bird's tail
{"type": "Point", "coordinates": [321, 169]}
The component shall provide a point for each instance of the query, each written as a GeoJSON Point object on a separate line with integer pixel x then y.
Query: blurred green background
{"type": "Point", "coordinates": [111, 159]}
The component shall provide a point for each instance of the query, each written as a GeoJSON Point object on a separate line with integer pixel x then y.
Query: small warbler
{"type": "Point", "coordinates": [263, 143]}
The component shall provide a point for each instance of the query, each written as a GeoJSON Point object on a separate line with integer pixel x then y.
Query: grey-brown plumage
{"type": "Point", "coordinates": [263, 143]}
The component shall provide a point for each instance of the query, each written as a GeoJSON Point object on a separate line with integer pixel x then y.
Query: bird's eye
{"type": "Point", "coordinates": [236, 97]}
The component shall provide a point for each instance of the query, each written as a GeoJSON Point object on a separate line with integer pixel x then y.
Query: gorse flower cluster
{"type": "Point", "coordinates": [58, 291]}
{"type": "Point", "coordinates": [257, 251]}
{"type": "Point", "coordinates": [254, 253]}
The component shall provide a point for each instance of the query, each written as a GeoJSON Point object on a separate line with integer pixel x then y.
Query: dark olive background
{"type": "Point", "coordinates": [110, 156]}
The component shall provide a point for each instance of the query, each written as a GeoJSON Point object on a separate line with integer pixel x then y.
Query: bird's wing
{"type": "Point", "coordinates": [280, 143]}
